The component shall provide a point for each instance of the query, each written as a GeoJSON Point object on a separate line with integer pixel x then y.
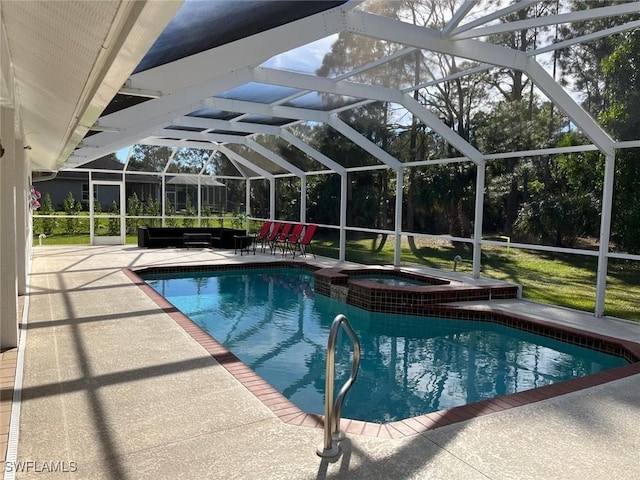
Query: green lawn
{"type": "Point", "coordinates": [79, 239]}
{"type": "Point", "coordinates": [557, 279]}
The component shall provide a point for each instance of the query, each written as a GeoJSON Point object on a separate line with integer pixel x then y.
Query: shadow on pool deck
{"type": "Point", "coordinates": [112, 383]}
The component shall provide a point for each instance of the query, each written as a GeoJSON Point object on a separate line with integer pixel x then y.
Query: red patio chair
{"type": "Point", "coordinates": [262, 234]}
{"type": "Point", "coordinates": [281, 236]}
{"type": "Point", "coordinates": [303, 242]}
{"type": "Point", "coordinates": [268, 238]}
{"type": "Point", "coordinates": [264, 230]}
{"type": "Point", "coordinates": [284, 241]}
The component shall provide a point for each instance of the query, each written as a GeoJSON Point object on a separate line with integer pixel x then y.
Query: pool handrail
{"type": "Point", "coordinates": [333, 411]}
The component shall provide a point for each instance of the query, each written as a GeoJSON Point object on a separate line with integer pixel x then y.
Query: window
{"type": "Point", "coordinates": [85, 192]}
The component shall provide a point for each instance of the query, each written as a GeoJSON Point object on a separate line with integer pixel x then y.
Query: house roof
{"type": "Point", "coordinates": [109, 165]}
{"type": "Point", "coordinates": [201, 180]}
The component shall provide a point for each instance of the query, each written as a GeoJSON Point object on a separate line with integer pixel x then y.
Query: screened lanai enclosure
{"type": "Point", "coordinates": [487, 127]}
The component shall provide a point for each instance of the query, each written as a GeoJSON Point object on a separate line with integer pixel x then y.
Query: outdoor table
{"type": "Point", "coordinates": [244, 243]}
{"type": "Point", "coordinates": [196, 240]}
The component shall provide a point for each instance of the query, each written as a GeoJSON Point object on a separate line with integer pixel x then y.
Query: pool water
{"type": "Point", "coordinates": [272, 321]}
{"type": "Point", "coordinates": [390, 280]}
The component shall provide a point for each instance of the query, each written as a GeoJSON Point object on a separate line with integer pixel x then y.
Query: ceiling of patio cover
{"type": "Point", "coordinates": [224, 73]}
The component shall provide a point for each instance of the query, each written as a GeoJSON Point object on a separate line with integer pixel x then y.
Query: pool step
{"type": "Point", "coordinates": [339, 292]}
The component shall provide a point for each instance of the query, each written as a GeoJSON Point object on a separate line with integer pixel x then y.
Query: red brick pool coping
{"type": "Point", "coordinates": [288, 413]}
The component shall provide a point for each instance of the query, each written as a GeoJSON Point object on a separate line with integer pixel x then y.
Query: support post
{"type": "Point", "coordinates": [343, 216]}
{"type": "Point", "coordinates": [303, 199]}
{"type": "Point", "coordinates": [24, 233]}
{"type": "Point", "coordinates": [398, 220]}
{"type": "Point", "coordinates": [8, 263]}
{"type": "Point", "coordinates": [163, 200]}
{"type": "Point", "coordinates": [92, 218]}
{"type": "Point", "coordinates": [605, 233]}
{"type": "Point", "coordinates": [478, 218]}
{"type": "Point", "coordinates": [272, 199]}
{"type": "Point", "coordinates": [247, 202]}
{"type": "Point", "coordinates": [199, 200]}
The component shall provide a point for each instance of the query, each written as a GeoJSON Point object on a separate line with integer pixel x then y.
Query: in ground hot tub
{"type": "Point", "coordinates": [394, 278]}
{"type": "Point", "coordinates": [400, 291]}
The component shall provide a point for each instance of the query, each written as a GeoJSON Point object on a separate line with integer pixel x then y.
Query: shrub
{"type": "Point", "coordinates": [152, 209]}
{"type": "Point", "coordinates": [170, 212]}
{"type": "Point", "coordinates": [188, 220]}
{"type": "Point", "coordinates": [206, 213]}
{"type": "Point", "coordinates": [45, 225]}
{"type": "Point", "coordinates": [134, 209]}
{"type": "Point", "coordinates": [114, 223]}
{"type": "Point", "coordinates": [71, 207]}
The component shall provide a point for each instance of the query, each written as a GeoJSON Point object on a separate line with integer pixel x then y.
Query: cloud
{"type": "Point", "coordinates": [305, 59]}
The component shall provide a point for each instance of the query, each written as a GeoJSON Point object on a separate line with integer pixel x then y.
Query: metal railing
{"type": "Point", "coordinates": [333, 411]}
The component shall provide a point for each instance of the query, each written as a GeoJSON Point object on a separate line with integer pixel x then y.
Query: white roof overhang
{"type": "Point", "coordinates": [67, 61]}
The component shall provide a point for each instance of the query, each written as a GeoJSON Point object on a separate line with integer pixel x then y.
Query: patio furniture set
{"type": "Point", "coordinates": [288, 236]}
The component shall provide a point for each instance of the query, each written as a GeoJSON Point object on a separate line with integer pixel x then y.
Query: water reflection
{"type": "Point", "coordinates": [410, 366]}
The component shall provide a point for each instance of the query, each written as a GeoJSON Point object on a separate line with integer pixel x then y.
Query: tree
{"type": "Point", "coordinates": [149, 158]}
{"type": "Point", "coordinates": [622, 73]}
{"type": "Point", "coordinates": [517, 183]}
{"type": "Point", "coordinates": [288, 189]}
{"type": "Point", "coordinates": [396, 131]}
{"type": "Point", "coordinates": [367, 192]}
{"type": "Point", "coordinates": [581, 63]}
{"type": "Point", "coordinates": [517, 110]}
{"type": "Point", "coordinates": [450, 198]}
{"type": "Point", "coordinates": [324, 199]}
{"type": "Point", "coordinates": [235, 189]}
{"type": "Point", "coordinates": [564, 206]}
{"type": "Point", "coordinates": [288, 198]}
{"type": "Point", "coordinates": [189, 160]}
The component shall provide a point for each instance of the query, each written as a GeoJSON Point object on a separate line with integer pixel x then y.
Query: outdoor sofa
{"type": "Point", "coordinates": [216, 237]}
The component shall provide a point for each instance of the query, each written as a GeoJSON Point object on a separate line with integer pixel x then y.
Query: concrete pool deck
{"type": "Point", "coordinates": [113, 388]}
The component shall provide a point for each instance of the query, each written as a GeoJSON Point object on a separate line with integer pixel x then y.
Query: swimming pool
{"type": "Point", "coordinates": [272, 320]}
